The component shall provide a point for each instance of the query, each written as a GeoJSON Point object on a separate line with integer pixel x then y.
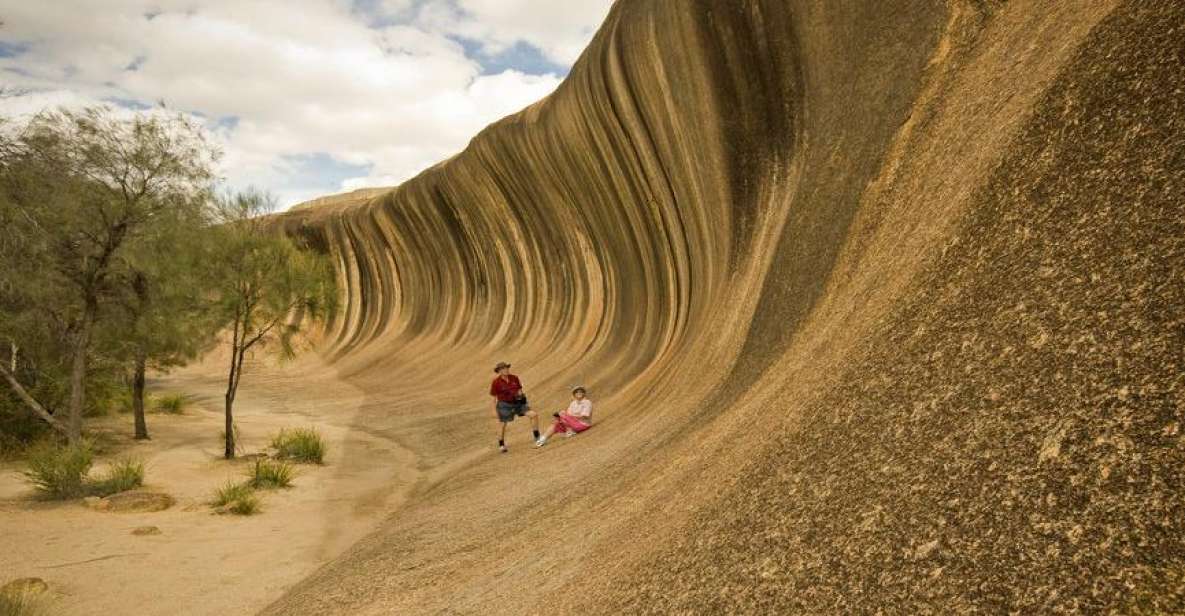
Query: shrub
{"type": "Point", "coordinates": [237, 498]}
{"type": "Point", "coordinates": [24, 603]}
{"type": "Point", "coordinates": [124, 403]}
{"type": "Point", "coordinates": [59, 471]}
{"type": "Point", "coordinates": [124, 474]}
{"type": "Point", "coordinates": [300, 444]}
{"type": "Point", "coordinates": [104, 394]}
{"type": "Point", "coordinates": [229, 493]}
{"type": "Point", "coordinates": [9, 447]}
{"type": "Point", "coordinates": [247, 504]}
{"type": "Point", "coordinates": [173, 404]}
{"type": "Point", "coordinates": [18, 431]}
{"type": "Point", "coordinates": [269, 474]}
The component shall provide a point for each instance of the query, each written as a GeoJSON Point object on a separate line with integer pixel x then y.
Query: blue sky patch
{"type": "Point", "coordinates": [228, 123]}
{"type": "Point", "coordinates": [322, 172]}
{"type": "Point", "coordinates": [10, 49]}
{"type": "Point", "coordinates": [127, 103]}
{"type": "Point", "coordinates": [522, 57]}
{"type": "Point", "coordinates": [377, 16]}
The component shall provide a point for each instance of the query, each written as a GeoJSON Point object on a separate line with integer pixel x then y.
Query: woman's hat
{"type": "Point", "coordinates": [501, 365]}
{"type": "Point", "coordinates": [579, 388]}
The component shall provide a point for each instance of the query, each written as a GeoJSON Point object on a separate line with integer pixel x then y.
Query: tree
{"type": "Point", "coordinates": [167, 318]}
{"type": "Point", "coordinates": [267, 286]}
{"type": "Point", "coordinates": [26, 285]}
{"type": "Point", "coordinates": [76, 189]}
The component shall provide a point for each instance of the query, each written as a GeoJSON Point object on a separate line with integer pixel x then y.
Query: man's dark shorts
{"type": "Point", "coordinates": [508, 410]}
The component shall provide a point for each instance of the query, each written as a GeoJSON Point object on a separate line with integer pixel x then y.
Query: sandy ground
{"type": "Point", "coordinates": [203, 563]}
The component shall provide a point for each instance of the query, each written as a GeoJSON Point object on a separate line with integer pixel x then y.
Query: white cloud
{"type": "Point", "coordinates": [381, 104]}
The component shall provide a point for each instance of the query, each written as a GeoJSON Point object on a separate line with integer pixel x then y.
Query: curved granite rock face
{"type": "Point", "coordinates": [882, 306]}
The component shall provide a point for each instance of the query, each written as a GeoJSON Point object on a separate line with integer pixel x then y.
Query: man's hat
{"type": "Point", "coordinates": [501, 365]}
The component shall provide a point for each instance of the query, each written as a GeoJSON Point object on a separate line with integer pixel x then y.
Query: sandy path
{"type": "Point", "coordinates": [203, 563]}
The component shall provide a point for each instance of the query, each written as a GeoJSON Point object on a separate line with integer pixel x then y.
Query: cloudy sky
{"type": "Point", "coordinates": [307, 97]}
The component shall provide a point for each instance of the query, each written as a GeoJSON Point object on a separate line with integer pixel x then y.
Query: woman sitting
{"type": "Point", "coordinates": [576, 418]}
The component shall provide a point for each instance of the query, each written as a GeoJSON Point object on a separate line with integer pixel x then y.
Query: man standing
{"type": "Point", "coordinates": [509, 402]}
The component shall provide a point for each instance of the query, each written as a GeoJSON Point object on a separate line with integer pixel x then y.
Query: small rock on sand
{"type": "Point", "coordinates": [96, 503]}
{"type": "Point", "coordinates": [20, 586]}
{"type": "Point", "coordinates": [134, 501]}
{"type": "Point", "coordinates": [146, 530]}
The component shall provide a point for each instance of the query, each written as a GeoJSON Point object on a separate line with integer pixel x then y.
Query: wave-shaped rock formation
{"type": "Point", "coordinates": [881, 304]}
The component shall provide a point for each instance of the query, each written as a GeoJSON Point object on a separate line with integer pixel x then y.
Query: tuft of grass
{"type": "Point", "coordinates": [24, 603]}
{"type": "Point", "coordinates": [124, 405]}
{"type": "Point", "coordinates": [247, 505]}
{"type": "Point", "coordinates": [229, 493]}
{"type": "Point", "coordinates": [237, 498]}
{"type": "Point", "coordinates": [125, 474]}
{"type": "Point", "coordinates": [301, 445]}
{"type": "Point", "coordinates": [59, 471]}
{"type": "Point", "coordinates": [172, 404]}
{"type": "Point", "coordinates": [269, 474]}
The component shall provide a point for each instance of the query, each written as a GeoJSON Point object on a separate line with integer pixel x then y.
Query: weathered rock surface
{"type": "Point", "coordinates": [882, 305]}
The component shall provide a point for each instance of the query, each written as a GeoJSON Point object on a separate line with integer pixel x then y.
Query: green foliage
{"type": "Point", "coordinates": [123, 402]}
{"type": "Point", "coordinates": [166, 314]}
{"type": "Point", "coordinates": [97, 210]}
{"type": "Point", "coordinates": [105, 389]}
{"type": "Point", "coordinates": [269, 474]}
{"type": "Point", "coordinates": [237, 498]}
{"type": "Point", "coordinates": [173, 404]}
{"type": "Point", "coordinates": [42, 365]}
{"type": "Point", "coordinates": [245, 505]}
{"type": "Point", "coordinates": [267, 285]}
{"type": "Point", "coordinates": [301, 445]}
{"type": "Point", "coordinates": [59, 471]}
{"type": "Point", "coordinates": [18, 430]}
{"type": "Point", "coordinates": [229, 493]}
{"type": "Point", "coordinates": [125, 474]}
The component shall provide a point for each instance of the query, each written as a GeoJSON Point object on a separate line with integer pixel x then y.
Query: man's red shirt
{"type": "Point", "coordinates": [506, 389]}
